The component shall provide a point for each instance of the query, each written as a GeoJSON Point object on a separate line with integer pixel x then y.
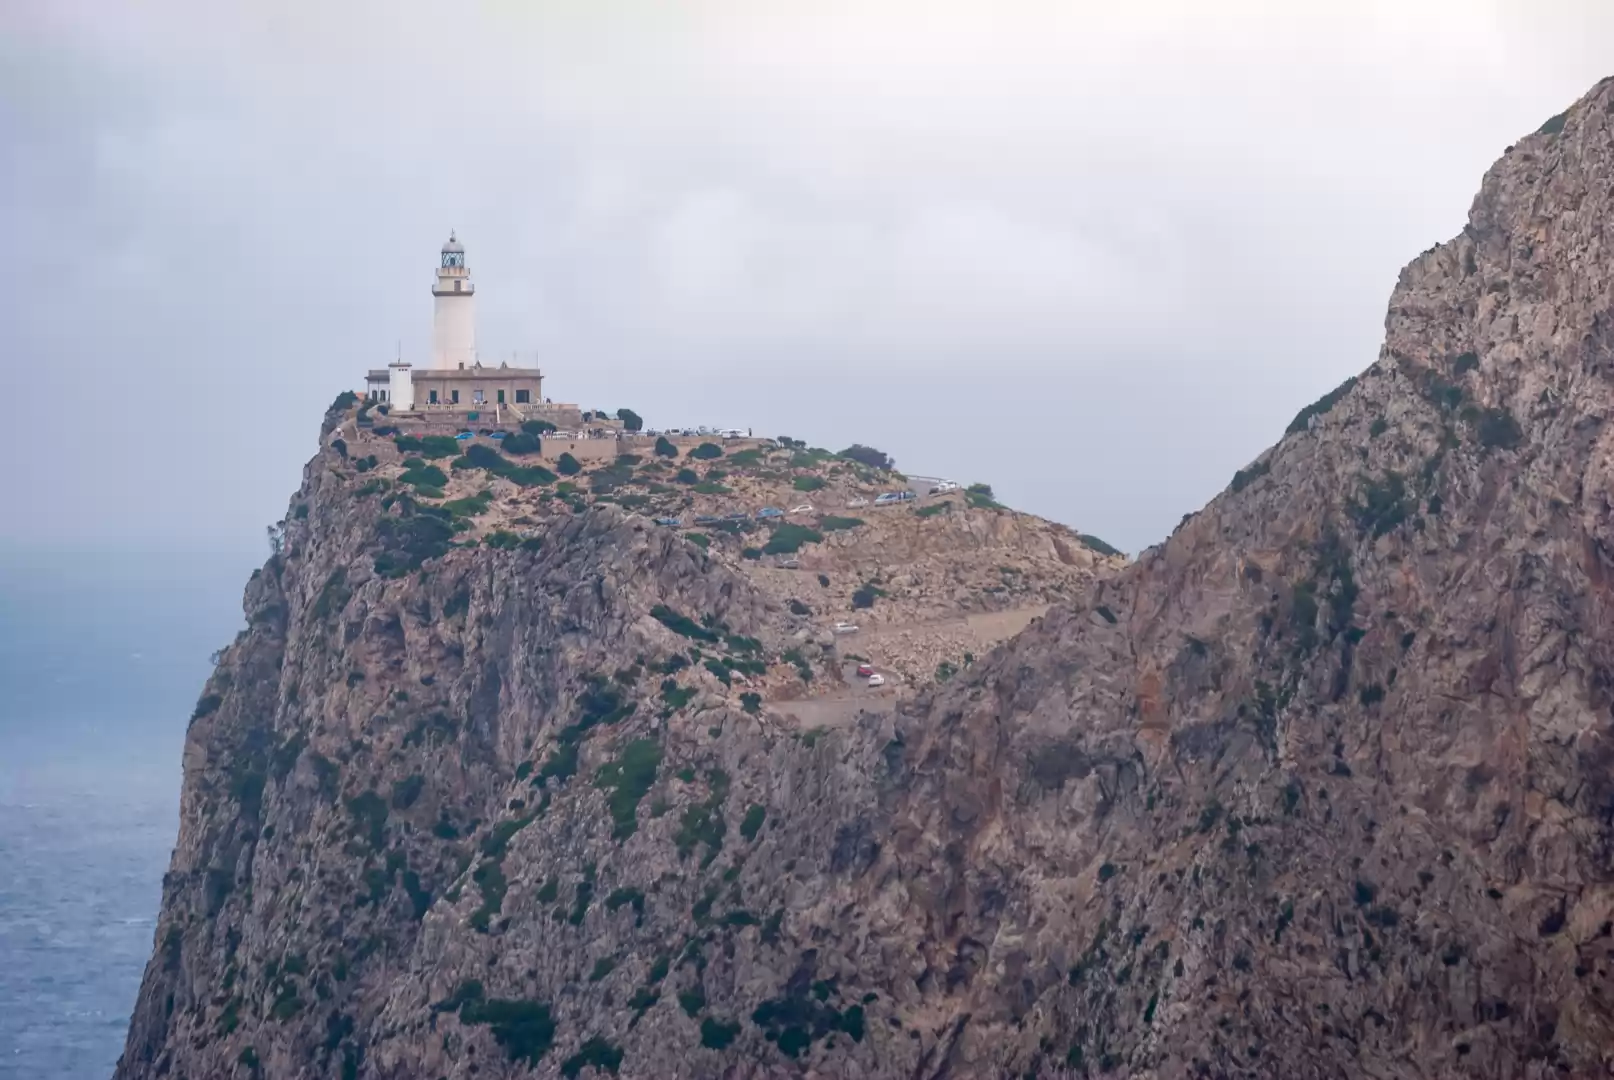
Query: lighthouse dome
{"type": "Point", "coordinates": [453, 245]}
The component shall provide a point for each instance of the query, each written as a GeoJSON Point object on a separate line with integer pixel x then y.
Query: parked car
{"type": "Point", "coordinates": [855, 503]}
{"type": "Point", "coordinates": [804, 508]}
{"type": "Point", "coordinates": [865, 670]}
{"type": "Point", "coordinates": [790, 564]}
{"type": "Point", "coordinates": [465, 435]}
{"type": "Point", "coordinates": [944, 487]}
{"type": "Point", "coordinates": [891, 498]}
{"type": "Point", "coordinates": [707, 519]}
{"type": "Point", "coordinates": [845, 628]}
{"type": "Point", "coordinates": [876, 679]}
{"type": "Point", "coordinates": [668, 521]}
{"type": "Point", "coordinates": [497, 435]}
{"type": "Point", "coordinates": [770, 512]}
{"type": "Point", "coordinates": [736, 516]}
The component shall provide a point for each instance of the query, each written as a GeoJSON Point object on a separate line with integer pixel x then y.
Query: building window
{"type": "Point", "coordinates": [434, 397]}
{"type": "Point", "coordinates": [523, 397]}
{"type": "Point", "coordinates": [476, 397]}
{"type": "Point", "coordinates": [501, 397]}
{"type": "Point", "coordinates": [454, 397]}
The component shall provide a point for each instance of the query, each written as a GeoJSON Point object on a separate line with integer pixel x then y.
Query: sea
{"type": "Point", "coordinates": [102, 656]}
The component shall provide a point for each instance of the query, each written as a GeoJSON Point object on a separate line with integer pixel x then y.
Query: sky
{"type": "Point", "coordinates": [1094, 254]}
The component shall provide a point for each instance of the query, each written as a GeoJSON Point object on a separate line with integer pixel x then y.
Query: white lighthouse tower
{"type": "Point", "coordinates": [454, 318]}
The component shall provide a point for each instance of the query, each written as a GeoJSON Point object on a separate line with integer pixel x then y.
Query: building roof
{"type": "Point", "coordinates": [453, 244]}
{"type": "Point", "coordinates": [491, 374]}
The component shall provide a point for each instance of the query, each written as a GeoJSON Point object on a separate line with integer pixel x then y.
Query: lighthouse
{"type": "Point", "coordinates": [454, 314]}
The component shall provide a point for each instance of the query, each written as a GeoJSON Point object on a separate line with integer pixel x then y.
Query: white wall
{"type": "Point", "coordinates": [454, 330]}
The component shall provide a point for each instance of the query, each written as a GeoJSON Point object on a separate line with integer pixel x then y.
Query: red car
{"type": "Point", "coordinates": [865, 670]}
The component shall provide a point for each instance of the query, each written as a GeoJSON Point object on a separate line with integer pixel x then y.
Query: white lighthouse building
{"type": "Point", "coordinates": [454, 314]}
{"type": "Point", "coordinates": [454, 388]}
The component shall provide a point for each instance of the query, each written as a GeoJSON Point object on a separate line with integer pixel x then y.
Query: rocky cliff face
{"type": "Point", "coordinates": [1320, 787]}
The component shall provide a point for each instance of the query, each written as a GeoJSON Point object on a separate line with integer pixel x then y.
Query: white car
{"type": "Point", "coordinates": [845, 628]}
{"type": "Point", "coordinates": [804, 508]}
{"type": "Point", "coordinates": [944, 487]}
{"type": "Point", "coordinates": [855, 503]}
{"type": "Point", "coordinates": [876, 679]}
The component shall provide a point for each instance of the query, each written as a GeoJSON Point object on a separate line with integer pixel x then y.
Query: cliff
{"type": "Point", "coordinates": [1319, 787]}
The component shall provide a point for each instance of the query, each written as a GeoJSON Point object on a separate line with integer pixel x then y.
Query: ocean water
{"type": "Point", "coordinates": [102, 656]}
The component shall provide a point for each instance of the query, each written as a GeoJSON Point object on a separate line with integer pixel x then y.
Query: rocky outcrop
{"type": "Point", "coordinates": [1319, 787]}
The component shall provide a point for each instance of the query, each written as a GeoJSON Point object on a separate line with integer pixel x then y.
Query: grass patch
{"type": "Point", "coordinates": [831, 523]}
{"type": "Point", "coordinates": [808, 483]}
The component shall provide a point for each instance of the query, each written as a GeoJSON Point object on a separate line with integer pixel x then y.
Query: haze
{"type": "Point", "coordinates": [1094, 254]}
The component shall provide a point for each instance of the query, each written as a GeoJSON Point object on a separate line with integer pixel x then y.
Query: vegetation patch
{"type": "Point", "coordinates": [706, 452]}
{"type": "Point", "coordinates": [489, 460]}
{"type": "Point", "coordinates": [409, 539]}
{"type": "Point", "coordinates": [981, 497]}
{"type": "Point", "coordinates": [682, 624]}
{"type": "Point", "coordinates": [1245, 477]}
{"type": "Point", "coordinates": [716, 1035]}
{"type": "Point", "coordinates": [1381, 505]}
{"type": "Point", "coordinates": [525, 1029]}
{"type": "Point", "coordinates": [1319, 407]}
{"type": "Point", "coordinates": [428, 446]}
{"type": "Point", "coordinates": [795, 1021]}
{"type": "Point", "coordinates": [754, 817]}
{"type": "Point", "coordinates": [628, 779]}
{"type": "Point", "coordinates": [567, 465]}
{"type": "Point", "coordinates": [602, 1055]}
{"type": "Point", "coordinates": [934, 509]}
{"type": "Point", "coordinates": [868, 455]}
{"type": "Point", "coordinates": [788, 538]}
{"type": "Point", "coordinates": [702, 823]}
{"type": "Point", "coordinates": [1093, 543]}
{"type": "Point", "coordinates": [808, 483]}
{"type": "Point", "coordinates": [831, 523]}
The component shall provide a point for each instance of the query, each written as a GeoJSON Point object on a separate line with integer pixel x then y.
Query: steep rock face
{"type": "Point", "coordinates": [1320, 787]}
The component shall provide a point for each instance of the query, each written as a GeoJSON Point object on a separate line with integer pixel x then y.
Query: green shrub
{"type": "Point", "coordinates": [536, 427]}
{"type": "Point", "coordinates": [525, 1029]}
{"type": "Point", "coordinates": [808, 483]}
{"type": "Point", "coordinates": [687, 476]}
{"type": "Point", "coordinates": [521, 443]}
{"type": "Point", "coordinates": [567, 465]}
{"type": "Point", "coordinates": [628, 779]}
{"type": "Point", "coordinates": [1498, 429]}
{"type": "Point", "coordinates": [1093, 543]}
{"type": "Point", "coordinates": [868, 455]}
{"type": "Point", "coordinates": [602, 1055]}
{"type": "Point", "coordinates": [1381, 505]}
{"type": "Point", "coordinates": [716, 1035]}
{"type": "Point", "coordinates": [700, 540]}
{"type": "Point", "coordinates": [831, 523]}
{"type": "Point", "coordinates": [502, 540]}
{"type": "Point", "coordinates": [706, 452]}
{"type": "Point", "coordinates": [602, 967]}
{"type": "Point", "coordinates": [1303, 418]}
{"type": "Point", "coordinates": [682, 624]}
{"type": "Point", "coordinates": [424, 476]}
{"type": "Point", "coordinates": [472, 505]}
{"type": "Point", "coordinates": [981, 497]}
{"type": "Point", "coordinates": [665, 448]}
{"type": "Point", "coordinates": [933, 509]}
{"type": "Point", "coordinates": [711, 487]}
{"type": "Point", "coordinates": [754, 817]}
{"type": "Point", "coordinates": [1554, 124]}
{"type": "Point", "coordinates": [1245, 477]}
{"type": "Point", "coordinates": [429, 446]}
{"type": "Point", "coordinates": [410, 540]}
{"type": "Point", "coordinates": [631, 421]}
{"type": "Point", "coordinates": [751, 703]}
{"type": "Point", "coordinates": [865, 596]}
{"type": "Point", "coordinates": [344, 401]}
{"type": "Point", "coordinates": [1464, 363]}
{"type": "Point", "coordinates": [788, 538]}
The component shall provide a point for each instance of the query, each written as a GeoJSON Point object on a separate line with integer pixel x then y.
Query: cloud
{"type": "Point", "coordinates": [1137, 236]}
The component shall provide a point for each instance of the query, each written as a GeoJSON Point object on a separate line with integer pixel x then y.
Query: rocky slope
{"type": "Point", "coordinates": [1320, 787]}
